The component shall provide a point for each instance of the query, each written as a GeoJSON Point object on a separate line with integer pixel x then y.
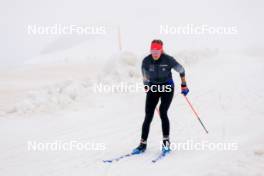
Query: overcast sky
{"type": "Point", "coordinates": [139, 21]}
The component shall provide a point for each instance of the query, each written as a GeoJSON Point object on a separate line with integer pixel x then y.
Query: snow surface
{"type": "Point", "coordinates": [47, 101]}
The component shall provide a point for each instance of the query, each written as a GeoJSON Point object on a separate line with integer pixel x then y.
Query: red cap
{"type": "Point", "coordinates": [156, 46]}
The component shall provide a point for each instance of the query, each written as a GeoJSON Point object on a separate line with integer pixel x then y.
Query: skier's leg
{"type": "Point", "coordinates": [166, 98]}
{"type": "Point", "coordinates": [152, 100]}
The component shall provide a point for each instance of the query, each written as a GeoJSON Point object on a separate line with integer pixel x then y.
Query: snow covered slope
{"type": "Point", "coordinates": [56, 102]}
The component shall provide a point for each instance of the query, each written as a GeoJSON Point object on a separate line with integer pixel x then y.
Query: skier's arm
{"type": "Point", "coordinates": [178, 68]}
{"type": "Point", "coordinates": [183, 80]}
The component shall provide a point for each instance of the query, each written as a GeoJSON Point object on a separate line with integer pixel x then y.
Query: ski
{"type": "Point", "coordinates": [120, 157]}
{"type": "Point", "coordinates": [160, 156]}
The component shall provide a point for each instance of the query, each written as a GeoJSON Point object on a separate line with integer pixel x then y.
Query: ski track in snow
{"type": "Point", "coordinates": [226, 90]}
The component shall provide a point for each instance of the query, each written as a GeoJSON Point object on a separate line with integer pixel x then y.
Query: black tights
{"type": "Point", "coordinates": [152, 100]}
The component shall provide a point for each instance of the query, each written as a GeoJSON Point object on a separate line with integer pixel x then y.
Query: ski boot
{"type": "Point", "coordinates": [140, 149]}
{"type": "Point", "coordinates": [165, 146]}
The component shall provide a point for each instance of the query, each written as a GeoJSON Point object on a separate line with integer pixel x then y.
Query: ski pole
{"type": "Point", "coordinates": [196, 114]}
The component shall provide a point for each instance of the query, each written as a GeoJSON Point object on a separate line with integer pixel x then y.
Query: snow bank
{"type": "Point", "coordinates": [52, 97]}
{"type": "Point", "coordinates": [121, 67]}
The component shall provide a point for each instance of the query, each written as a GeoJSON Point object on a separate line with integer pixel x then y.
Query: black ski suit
{"type": "Point", "coordinates": [158, 73]}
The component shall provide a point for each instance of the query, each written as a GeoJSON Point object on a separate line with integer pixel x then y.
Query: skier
{"type": "Point", "coordinates": [157, 78]}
